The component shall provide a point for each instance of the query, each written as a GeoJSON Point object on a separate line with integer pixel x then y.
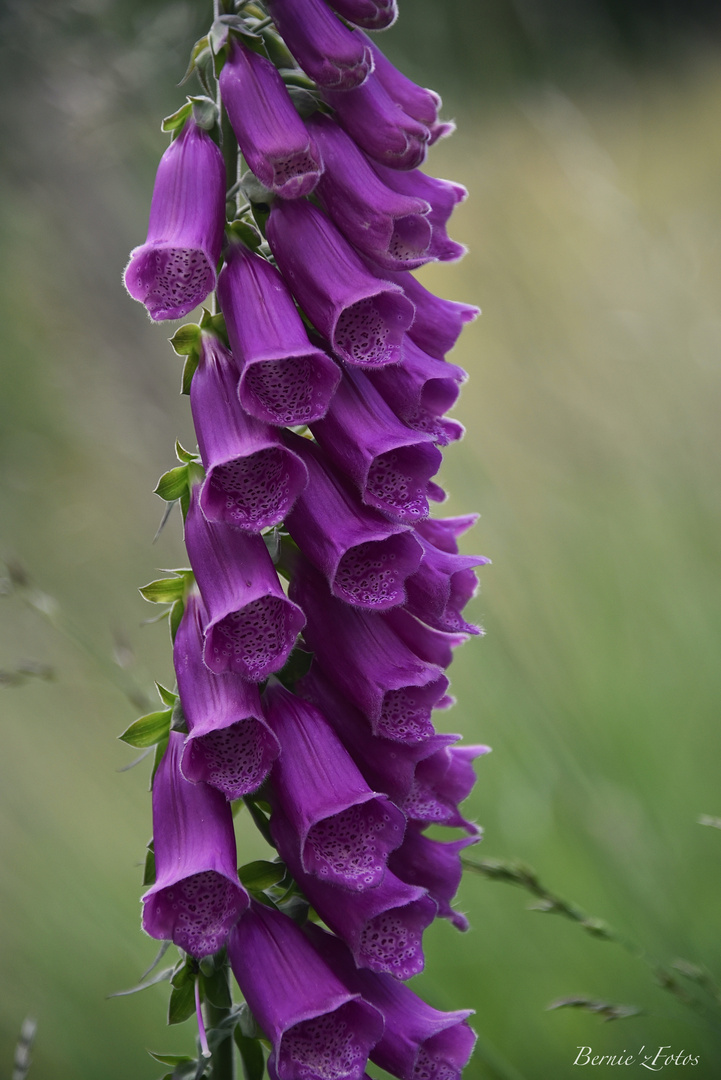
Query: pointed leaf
{"type": "Point", "coordinates": [148, 730]}
{"type": "Point", "coordinates": [176, 614]}
{"type": "Point", "coordinates": [195, 55]}
{"type": "Point", "coordinates": [184, 455]}
{"type": "Point", "coordinates": [177, 718]}
{"type": "Point", "coordinates": [173, 483]}
{"type": "Point", "coordinates": [260, 875]}
{"type": "Point", "coordinates": [181, 1004]}
{"type": "Point", "coordinates": [205, 112]}
{"type": "Point", "coordinates": [149, 868]}
{"type": "Point", "coordinates": [176, 120]}
{"type": "Point", "coordinates": [186, 339]}
{"type": "Point", "coordinates": [163, 591]}
{"type": "Point", "coordinates": [251, 1056]}
{"type": "Point", "coordinates": [172, 1059]}
{"type": "Point", "coordinates": [159, 752]}
{"type": "Point", "coordinates": [189, 369]}
{"type": "Point", "coordinates": [215, 989]}
{"type": "Point", "coordinates": [166, 696]}
{"type": "Point", "coordinates": [160, 976]}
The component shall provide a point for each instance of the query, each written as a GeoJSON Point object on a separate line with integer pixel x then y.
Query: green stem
{"type": "Point", "coordinates": [222, 1063]}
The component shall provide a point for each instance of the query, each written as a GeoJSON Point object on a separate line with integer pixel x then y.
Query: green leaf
{"type": "Point", "coordinates": [186, 339]}
{"type": "Point", "coordinates": [216, 990]}
{"type": "Point", "coordinates": [176, 614]}
{"type": "Point", "coordinates": [159, 752]}
{"type": "Point", "coordinates": [214, 324]}
{"type": "Point", "coordinates": [160, 976]}
{"type": "Point", "coordinates": [164, 590]}
{"type": "Point", "coordinates": [177, 718]}
{"type": "Point", "coordinates": [184, 455]}
{"type": "Point", "coordinates": [260, 875]}
{"type": "Point", "coordinates": [182, 1003]}
{"type": "Point", "coordinates": [260, 820]}
{"type": "Point", "coordinates": [149, 868]}
{"type": "Point", "coordinates": [148, 730]}
{"type": "Point", "coordinates": [173, 483]}
{"type": "Point", "coordinates": [196, 53]}
{"type": "Point", "coordinates": [176, 120]}
{"type": "Point", "coordinates": [172, 1059]}
{"type": "Point", "coordinates": [247, 233]}
{"type": "Point", "coordinates": [296, 666]}
{"type": "Point", "coordinates": [251, 1056]}
{"type": "Point", "coordinates": [254, 191]}
{"type": "Point", "coordinates": [166, 696]}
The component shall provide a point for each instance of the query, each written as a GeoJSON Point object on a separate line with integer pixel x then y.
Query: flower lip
{"type": "Point", "coordinates": [330, 53]}
{"type": "Point", "coordinates": [379, 126]}
{"type": "Point", "coordinates": [370, 14]}
{"type": "Point", "coordinates": [174, 270]}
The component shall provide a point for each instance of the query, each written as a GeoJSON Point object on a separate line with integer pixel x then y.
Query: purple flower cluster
{"type": "Point", "coordinates": [320, 409]}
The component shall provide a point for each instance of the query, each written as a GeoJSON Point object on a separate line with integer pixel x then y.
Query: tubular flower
{"type": "Point", "coordinates": [441, 195]}
{"type": "Point", "coordinates": [389, 463]}
{"type": "Point", "coordinates": [330, 53]}
{"type": "Point", "coordinates": [344, 831]}
{"type": "Point", "coordinates": [423, 105]}
{"type": "Point", "coordinates": [383, 926]}
{"type": "Point", "coordinates": [438, 323]}
{"type": "Point", "coordinates": [371, 14]}
{"type": "Point", "coordinates": [229, 746]}
{"type": "Point", "coordinates": [363, 318]}
{"type": "Point", "coordinates": [252, 479]}
{"type": "Point", "coordinates": [270, 133]}
{"type": "Point", "coordinates": [363, 656]}
{"type": "Point", "coordinates": [318, 1029]}
{"type": "Point", "coordinates": [174, 270]}
{"type": "Point", "coordinates": [283, 378]}
{"type": "Point", "coordinates": [390, 227]}
{"type": "Point", "coordinates": [379, 125]}
{"type": "Point", "coordinates": [196, 897]}
{"type": "Point", "coordinates": [434, 865]}
{"type": "Point", "coordinates": [365, 558]}
{"type": "Point", "coordinates": [252, 626]}
{"type": "Point", "coordinates": [418, 1041]}
{"type": "Point", "coordinates": [440, 784]}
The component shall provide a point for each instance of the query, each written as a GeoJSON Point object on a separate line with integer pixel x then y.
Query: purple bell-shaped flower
{"type": "Point", "coordinates": [196, 897]}
{"type": "Point", "coordinates": [174, 270]}
{"type": "Point", "coordinates": [330, 53]}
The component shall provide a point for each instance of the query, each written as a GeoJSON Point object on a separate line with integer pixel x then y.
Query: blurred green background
{"type": "Point", "coordinates": [590, 139]}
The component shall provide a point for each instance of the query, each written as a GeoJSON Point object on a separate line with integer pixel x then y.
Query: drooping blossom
{"type": "Point", "coordinates": [434, 865]}
{"type": "Point", "coordinates": [196, 897]}
{"type": "Point", "coordinates": [444, 582]}
{"type": "Point", "coordinates": [441, 195]}
{"type": "Point", "coordinates": [379, 126]}
{"type": "Point", "coordinates": [441, 782]}
{"type": "Point", "coordinates": [422, 104]}
{"type": "Point", "coordinates": [174, 270]}
{"type": "Point", "coordinates": [438, 323]}
{"type": "Point", "coordinates": [318, 1029]}
{"type": "Point", "coordinates": [271, 135]}
{"type": "Point", "coordinates": [344, 831]}
{"type": "Point", "coordinates": [391, 228]}
{"type": "Point", "coordinates": [362, 655]}
{"type": "Point", "coordinates": [284, 379]}
{"type": "Point", "coordinates": [252, 625]}
{"type": "Point", "coordinates": [252, 479]}
{"type": "Point", "coordinates": [363, 318]}
{"type": "Point", "coordinates": [383, 926]}
{"type": "Point", "coordinates": [229, 744]}
{"type": "Point", "coordinates": [365, 557]}
{"type": "Point", "coordinates": [330, 53]}
{"type": "Point", "coordinates": [418, 1042]}
{"type": "Point", "coordinates": [390, 464]}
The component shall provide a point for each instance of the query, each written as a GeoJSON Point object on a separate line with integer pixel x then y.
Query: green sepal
{"type": "Point", "coordinates": [184, 455]}
{"type": "Point", "coordinates": [205, 112]}
{"type": "Point", "coordinates": [176, 120]}
{"type": "Point", "coordinates": [196, 54]}
{"type": "Point", "coordinates": [173, 483]}
{"type": "Point", "coordinates": [186, 339]}
{"type": "Point", "coordinates": [276, 48]}
{"type": "Point", "coordinates": [260, 819]}
{"type": "Point", "coordinates": [305, 102]}
{"type": "Point", "coordinates": [148, 730]}
{"type": "Point", "coordinates": [168, 697]}
{"type": "Point", "coordinates": [176, 614]}
{"type": "Point", "coordinates": [172, 1059]}
{"type": "Point", "coordinates": [160, 976]}
{"type": "Point", "coordinates": [149, 868]}
{"type": "Point", "coordinates": [159, 753]}
{"type": "Point", "coordinates": [296, 666]}
{"type": "Point", "coordinates": [251, 1056]}
{"type": "Point", "coordinates": [214, 324]}
{"type": "Point", "coordinates": [177, 718]}
{"type": "Point", "coordinates": [261, 875]}
{"type": "Point", "coordinates": [245, 232]}
{"type": "Point", "coordinates": [189, 369]}
{"type": "Point", "coordinates": [254, 191]}
{"type": "Point", "coordinates": [163, 591]}
{"type": "Point", "coordinates": [182, 1003]}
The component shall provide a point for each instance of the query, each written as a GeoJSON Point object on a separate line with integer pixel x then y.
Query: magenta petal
{"type": "Point", "coordinates": [438, 323]}
{"type": "Point", "coordinates": [420, 390]}
{"type": "Point", "coordinates": [363, 318]}
{"type": "Point", "coordinates": [272, 137]}
{"type": "Point", "coordinates": [379, 126]}
{"type": "Point", "coordinates": [441, 195]}
{"type": "Point", "coordinates": [343, 830]}
{"type": "Point", "coordinates": [365, 557]}
{"type": "Point", "coordinates": [419, 1042]}
{"type": "Point", "coordinates": [330, 53]}
{"type": "Point", "coordinates": [432, 646]}
{"type": "Point", "coordinates": [370, 14]}
{"type": "Point", "coordinates": [390, 464]}
{"type": "Point", "coordinates": [383, 927]}
{"type": "Point", "coordinates": [196, 897]}
{"type": "Point", "coordinates": [252, 626]}
{"type": "Point", "coordinates": [252, 479]}
{"type": "Point", "coordinates": [442, 586]}
{"type": "Point", "coordinates": [318, 1029]}
{"type": "Point", "coordinates": [174, 270]}
{"type": "Point", "coordinates": [422, 104]}
{"type": "Point", "coordinates": [391, 228]}
{"type": "Point", "coordinates": [443, 533]}
{"type": "Point", "coordinates": [363, 656]}
{"type": "Point", "coordinates": [441, 782]}
{"type": "Point", "coordinates": [434, 865]}
{"type": "Point", "coordinates": [229, 746]}
{"type": "Point", "coordinates": [284, 379]}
